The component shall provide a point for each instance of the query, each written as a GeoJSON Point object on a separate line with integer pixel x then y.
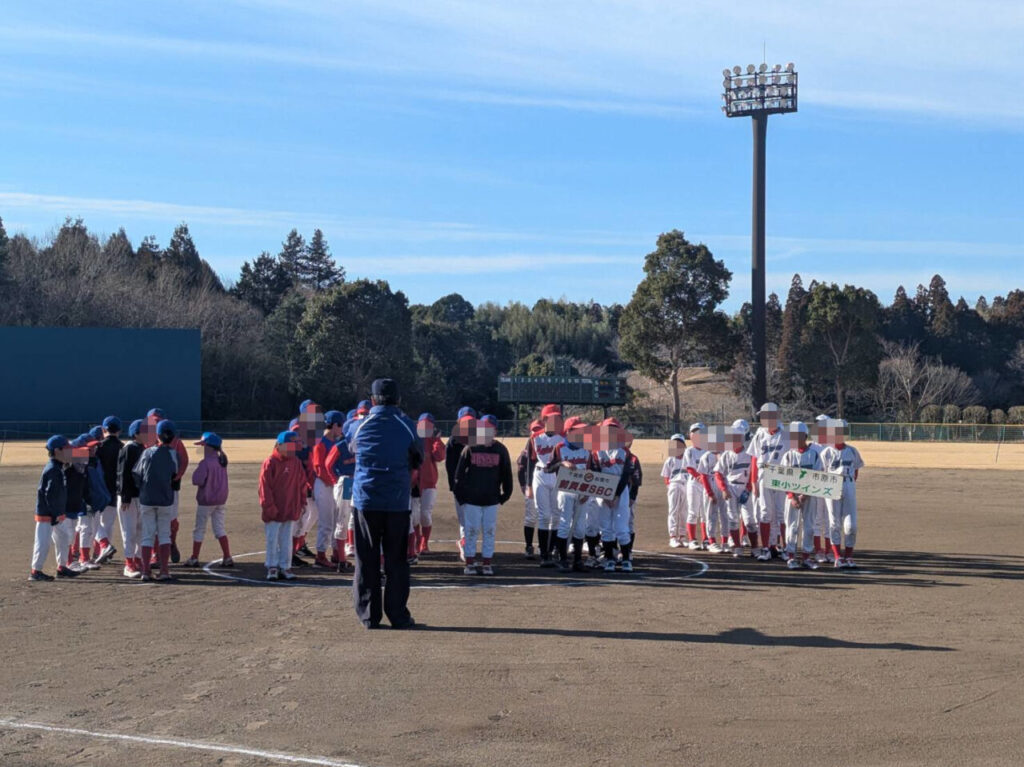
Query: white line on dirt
{"type": "Point", "coordinates": [271, 756]}
{"type": "Point", "coordinates": [704, 567]}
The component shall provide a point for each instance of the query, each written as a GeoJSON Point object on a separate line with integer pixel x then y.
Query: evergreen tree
{"type": "Point", "coordinates": [316, 268]}
{"type": "Point", "coordinates": [293, 251]}
{"type": "Point", "coordinates": [182, 253]}
{"type": "Point", "coordinates": [263, 283]}
{"type": "Point", "coordinates": [118, 248]}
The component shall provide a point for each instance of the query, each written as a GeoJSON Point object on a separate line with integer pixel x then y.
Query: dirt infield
{"type": "Point", "coordinates": [893, 455]}
{"type": "Point", "coordinates": [695, 660]}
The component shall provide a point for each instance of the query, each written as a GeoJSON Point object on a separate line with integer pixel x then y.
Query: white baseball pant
{"type": "Point", "coordinates": [216, 516]}
{"type": "Point", "coordinates": [717, 514]}
{"type": "Point", "coordinates": [545, 496]}
{"type": "Point", "coordinates": [156, 523]}
{"type": "Point", "coordinates": [481, 521]}
{"type": "Point", "coordinates": [842, 515]}
{"type": "Point", "coordinates": [41, 545]}
{"type": "Point", "coordinates": [529, 512]}
{"type": "Point", "coordinates": [677, 513]}
{"type": "Point", "coordinates": [771, 509]}
{"type": "Point", "coordinates": [85, 526]}
{"type": "Point", "coordinates": [305, 523]}
{"type": "Point", "coordinates": [343, 510]}
{"type": "Point", "coordinates": [326, 514]}
{"type": "Point", "coordinates": [695, 500]}
{"type": "Point", "coordinates": [105, 523]}
{"type": "Point", "coordinates": [130, 520]}
{"type": "Point", "coordinates": [423, 508]}
{"type": "Point", "coordinates": [279, 545]}
{"type": "Point", "coordinates": [799, 527]}
{"type": "Point", "coordinates": [572, 516]}
{"type": "Point", "coordinates": [63, 535]}
{"type": "Point", "coordinates": [613, 519]}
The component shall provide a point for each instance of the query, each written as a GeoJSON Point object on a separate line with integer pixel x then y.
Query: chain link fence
{"type": "Point", "coordinates": [884, 432]}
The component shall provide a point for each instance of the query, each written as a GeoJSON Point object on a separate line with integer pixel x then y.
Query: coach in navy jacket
{"type": "Point", "coordinates": [387, 449]}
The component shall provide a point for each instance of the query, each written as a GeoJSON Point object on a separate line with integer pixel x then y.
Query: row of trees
{"type": "Point", "coordinates": [293, 326]}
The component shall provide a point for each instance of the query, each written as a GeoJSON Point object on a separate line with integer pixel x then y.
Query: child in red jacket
{"type": "Point", "coordinates": [282, 488]}
{"type": "Point", "coordinates": [426, 484]}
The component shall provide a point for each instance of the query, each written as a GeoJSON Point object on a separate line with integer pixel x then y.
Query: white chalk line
{"type": "Point", "coordinates": [193, 745]}
{"type": "Point", "coordinates": [640, 578]}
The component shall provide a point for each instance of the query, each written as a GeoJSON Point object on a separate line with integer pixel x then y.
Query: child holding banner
{"type": "Point", "coordinates": [612, 457]}
{"type": "Point", "coordinates": [800, 508]}
{"type": "Point", "coordinates": [842, 459]}
{"type": "Point", "coordinates": [573, 454]}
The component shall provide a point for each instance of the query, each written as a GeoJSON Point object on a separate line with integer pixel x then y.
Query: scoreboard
{"type": "Point", "coordinates": [569, 390]}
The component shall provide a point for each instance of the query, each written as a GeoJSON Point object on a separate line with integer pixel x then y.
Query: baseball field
{"type": "Point", "coordinates": [694, 659]}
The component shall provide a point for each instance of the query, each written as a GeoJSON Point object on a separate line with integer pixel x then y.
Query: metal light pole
{"type": "Point", "coordinates": [757, 94]}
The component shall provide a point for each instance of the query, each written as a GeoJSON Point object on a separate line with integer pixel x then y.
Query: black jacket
{"type": "Point", "coordinates": [128, 456]}
{"type": "Point", "coordinates": [483, 475]}
{"type": "Point", "coordinates": [106, 453]}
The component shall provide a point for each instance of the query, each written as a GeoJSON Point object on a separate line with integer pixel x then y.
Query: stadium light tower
{"type": "Point", "coordinates": [758, 93]}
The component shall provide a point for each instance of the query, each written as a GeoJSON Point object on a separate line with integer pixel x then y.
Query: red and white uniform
{"type": "Point", "coordinates": [323, 495]}
{"type": "Point", "coordinates": [732, 475]}
{"type": "Point", "coordinates": [613, 516]}
{"type": "Point", "coordinates": [715, 514]}
{"type": "Point", "coordinates": [767, 449]}
{"type": "Point", "coordinates": [545, 496]}
{"type": "Point", "coordinates": [695, 497]}
{"type": "Point", "coordinates": [844, 460]}
{"type": "Point", "coordinates": [572, 509]}
{"type": "Point", "coordinates": [800, 522]}
{"type": "Point", "coordinates": [426, 478]}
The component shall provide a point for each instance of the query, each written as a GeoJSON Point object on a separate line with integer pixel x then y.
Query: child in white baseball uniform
{"type": "Point", "coordinates": [128, 512]}
{"type": "Point", "coordinates": [800, 511]}
{"type": "Point", "coordinates": [545, 495]}
{"type": "Point", "coordinates": [821, 554]}
{"type": "Point", "coordinates": [714, 511]}
{"type": "Point", "coordinates": [695, 498]}
{"type": "Point", "coordinates": [574, 453]}
{"type": "Point", "coordinates": [767, 447]}
{"type": "Point", "coordinates": [732, 475]}
{"type": "Point", "coordinates": [211, 481]}
{"type": "Point", "coordinates": [673, 471]}
{"type": "Point", "coordinates": [839, 458]}
{"type": "Point", "coordinates": [612, 457]}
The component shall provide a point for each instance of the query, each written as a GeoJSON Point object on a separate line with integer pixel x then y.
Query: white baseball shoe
{"type": "Point", "coordinates": [693, 545]}
{"type": "Point", "coordinates": [715, 548]}
{"type": "Point", "coordinates": [106, 553]}
{"type": "Point", "coordinates": [288, 575]}
{"type": "Point", "coordinates": [810, 563]}
{"type": "Point", "coordinates": [765, 555]}
{"type": "Point", "coordinates": [793, 563]}
{"type": "Point", "coordinates": [820, 558]}
{"type": "Point", "coordinates": [272, 574]}
{"type": "Point", "coordinates": [673, 543]}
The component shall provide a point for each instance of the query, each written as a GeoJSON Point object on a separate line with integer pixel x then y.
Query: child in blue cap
{"type": "Point", "coordinates": [51, 500]}
{"type": "Point", "coordinates": [211, 479]}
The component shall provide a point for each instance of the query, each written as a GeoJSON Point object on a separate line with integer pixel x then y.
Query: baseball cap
{"type": "Point", "coordinates": [82, 440]}
{"type": "Point", "coordinates": [464, 411]}
{"type": "Point", "coordinates": [697, 427]}
{"type": "Point", "coordinates": [467, 418]}
{"type": "Point", "coordinates": [820, 417]}
{"type": "Point", "coordinates": [112, 423]}
{"type": "Point", "coordinates": [57, 442]}
{"type": "Point", "coordinates": [96, 434]}
{"type": "Point", "coordinates": [166, 427]}
{"type": "Point", "coordinates": [741, 425]}
{"type": "Point", "coordinates": [767, 408]}
{"type": "Point", "coordinates": [334, 418]}
{"type": "Point", "coordinates": [550, 410]}
{"type": "Point", "coordinates": [293, 424]}
{"type": "Point", "coordinates": [305, 403]}
{"type": "Point", "coordinates": [135, 427]}
{"type": "Point", "coordinates": [798, 427]}
{"type": "Point", "coordinates": [384, 387]}
{"type": "Point", "coordinates": [492, 420]}
{"type": "Point", "coordinates": [287, 436]}
{"type": "Point", "coordinates": [156, 413]}
{"type": "Point", "coordinates": [426, 417]}
{"type": "Point", "coordinates": [351, 414]}
{"type": "Point", "coordinates": [363, 406]}
{"type": "Point", "coordinates": [678, 437]}
{"type": "Point", "coordinates": [611, 422]}
{"type": "Point", "coordinates": [210, 439]}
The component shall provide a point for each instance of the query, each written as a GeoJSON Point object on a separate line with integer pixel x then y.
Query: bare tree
{"type": "Point", "coordinates": [908, 381]}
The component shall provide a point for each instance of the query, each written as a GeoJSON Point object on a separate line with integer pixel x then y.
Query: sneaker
{"type": "Point", "coordinates": [175, 556]}
{"type": "Point", "coordinates": [529, 552]}
{"type": "Point", "coordinates": [715, 548]}
{"type": "Point", "coordinates": [627, 566]}
{"type": "Point", "coordinates": [564, 566]}
{"type": "Point", "coordinates": [107, 552]}
{"type": "Point", "coordinates": [469, 570]}
{"type": "Point", "coordinates": [164, 578]}
{"type": "Point", "coordinates": [609, 566]}
{"type": "Point", "coordinates": [229, 562]}
{"type": "Point", "coordinates": [131, 572]}
{"type": "Point", "coordinates": [786, 556]}
{"type": "Point", "coordinates": [146, 578]}
{"type": "Point", "coordinates": [342, 566]}
{"type": "Point", "coordinates": [305, 551]}
{"type": "Point", "coordinates": [191, 562]}
{"type": "Point", "coordinates": [793, 563]}
{"type": "Point", "coordinates": [673, 543]}
{"type": "Point", "coordinates": [39, 575]}
{"type": "Point", "coordinates": [820, 557]}
{"type": "Point", "coordinates": [413, 560]}
{"type": "Point", "coordinates": [705, 544]}
{"type": "Point", "coordinates": [810, 563]}
{"type": "Point", "coordinates": [68, 572]}
{"type": "Point", "coordinates": [88, 566]}
{"type": "Point", "coordinates": [693, 545]}
{"type": "Point", "coordinates": [765, 555]}
{"type": "Point", "coordinates": [547, 562]}
{"type": "Point", "coordinates": [839, 564]}
{"type": "Point", "coordinates": [297, 561]}
{"type": "Point", "coordinates": [486, 570]}
{"type": "Point", "coordinates": [850, 564]}
{"type": "Point", "coordinates": [737, 552]}
{"type": "Point", "coordinates": [288, 575]}
{"type": "Point", "coordinates": [272, 574]}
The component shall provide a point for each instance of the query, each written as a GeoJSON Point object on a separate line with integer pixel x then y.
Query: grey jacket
{"type": "Point", "coordinates": [154, 473]}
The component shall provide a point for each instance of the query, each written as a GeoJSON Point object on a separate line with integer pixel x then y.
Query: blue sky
{"type": "Point", "coordinates": [515, 150]}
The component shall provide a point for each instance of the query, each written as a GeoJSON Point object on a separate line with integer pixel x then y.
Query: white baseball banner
{"type": "Point", "coordinates": [589, 483]}
{"type": "Point", "coordinates": [790, 479]}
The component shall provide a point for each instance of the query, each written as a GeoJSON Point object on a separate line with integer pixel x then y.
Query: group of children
{"type": "Point", "coordinates": [718, 499]}
{"type": "Point", "coordinates": [96, 478]}
{"type": "Point", "coordinates": [717, 483]}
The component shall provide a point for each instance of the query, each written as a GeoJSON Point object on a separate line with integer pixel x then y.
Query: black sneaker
{"type": "Point", "coordinates": [547, 562]}
{"type": "Point", "coordinates": [529, 552]}
{"type": "Point", "coordinates": [175, 554]}
{"type": "Point", "coordinates": [67, 572]}
{"type": "Point", "coordinates": [39, 575]}
{"type": "Point", "coordinates": [304, 551]}
{"type": "Point", "coordinates": [564, 566]}
{"type": "Point", "coordinates": [298, 561]}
